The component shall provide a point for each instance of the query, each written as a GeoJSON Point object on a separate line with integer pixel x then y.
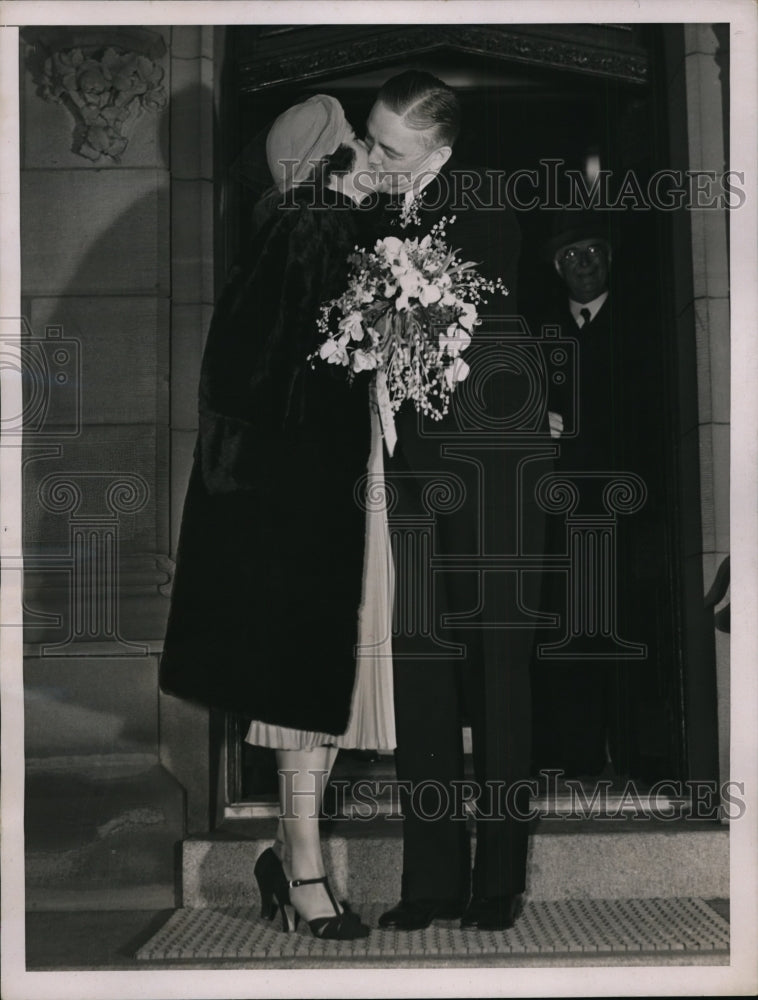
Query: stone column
{"type": "Point", "coordinates": [696, 81]}
{"type": "Point", "coordinates": [195, 69]}
{"type": "Point", "coordinates": [192, 225]}
{"type": "Point", "coordinates": [710, 259]}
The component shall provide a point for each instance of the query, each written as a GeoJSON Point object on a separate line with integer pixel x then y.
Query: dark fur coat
{"type": "Point", "coordinates": [268, 581]}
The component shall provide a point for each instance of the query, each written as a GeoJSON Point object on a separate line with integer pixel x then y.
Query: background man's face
{"type": "Point", "coordinates": [584, 266]}
{"type": "Point", "coordinates": [396, 151]}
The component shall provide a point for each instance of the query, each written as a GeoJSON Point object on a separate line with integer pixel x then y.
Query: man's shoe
{"type": "Point", "coordinates": [417, 914]}
{"type": "Point", "coordinates": [492, 913]}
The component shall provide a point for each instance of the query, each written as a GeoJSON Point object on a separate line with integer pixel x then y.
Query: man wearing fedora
{"type": "Point", "coordinates": [584, 710]}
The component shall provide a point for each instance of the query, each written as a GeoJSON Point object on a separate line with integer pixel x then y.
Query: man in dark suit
{"type": "Point", "coordinates": [583, 707]}
{"type": "Point", "coordinates": [478, 672]}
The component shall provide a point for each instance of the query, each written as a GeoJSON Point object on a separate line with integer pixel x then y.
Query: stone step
{"type": "Point", "coordinates": [568, 859]}
{"type": "Point", "coordinates": [101, 831]}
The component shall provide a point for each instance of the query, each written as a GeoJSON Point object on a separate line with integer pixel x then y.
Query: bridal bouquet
{"type": "Point", "coordinates": [407, 313]}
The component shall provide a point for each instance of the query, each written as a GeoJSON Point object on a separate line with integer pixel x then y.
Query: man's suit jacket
{"type": "Point", "coordinates": [490, 238]}
{"type": "Point", "coordinates": [618, 430]}
{"type": "Point", "coordinates": [613, 432]}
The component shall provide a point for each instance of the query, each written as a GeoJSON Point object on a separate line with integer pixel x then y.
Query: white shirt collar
{"type": "Point", "coordinates": [593, 306]}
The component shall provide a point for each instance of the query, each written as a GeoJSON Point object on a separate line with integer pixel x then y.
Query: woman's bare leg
{"type": "Point", "coordinates": [303, 775]}
{"type": "Point", "coordinates": [278, 845]}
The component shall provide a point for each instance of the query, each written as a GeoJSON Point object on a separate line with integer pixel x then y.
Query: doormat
{"type": "Point", "coordinates": [549, 928]}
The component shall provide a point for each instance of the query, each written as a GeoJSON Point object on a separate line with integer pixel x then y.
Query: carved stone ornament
{"type": "Point", "coordinates": [106, 78]}
{"type": "Point", "coordinates": [359, 48]}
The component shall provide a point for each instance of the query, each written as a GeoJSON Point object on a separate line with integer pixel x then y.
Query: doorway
{"type": "Point", "coordinates": [519, 118]}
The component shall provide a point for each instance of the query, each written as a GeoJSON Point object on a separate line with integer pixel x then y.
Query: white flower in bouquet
{"type": "Point", "coordinates": [391, 247]}
{"type": "Point", "coordinates": [454, 340]}
{"type": "Point", "coordinates": [364, 361]}
{"type": "Point", "coordinates": [407, 314]}
{"type": "Point", "coordinates": [352, 325]}
{"type": "Point", "coordinates": [468, 315]}
{"type": "Point", "coordinates": [456, 372]}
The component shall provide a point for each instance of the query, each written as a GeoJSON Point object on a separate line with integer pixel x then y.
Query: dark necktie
{"type": "Point", "coordinates": [586, 316]}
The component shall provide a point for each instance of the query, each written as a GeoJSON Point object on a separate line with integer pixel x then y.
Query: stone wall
{"type": "Point", "coordinates": [116, 272]}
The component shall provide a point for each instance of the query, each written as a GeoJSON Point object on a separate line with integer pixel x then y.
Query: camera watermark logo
{"type": "Point", "coordinates": [512, 376]}
{"type": "Point", "coordinates": [50, 371]}
{"type": "Point", "coordinates": [44, 416]}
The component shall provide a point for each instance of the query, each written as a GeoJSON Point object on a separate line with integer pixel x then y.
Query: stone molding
{"type": "Point", "coordinates": [367, 48]}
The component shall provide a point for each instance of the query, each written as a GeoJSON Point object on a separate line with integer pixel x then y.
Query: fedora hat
{"type": "Point", "coordinates": [572, 225]}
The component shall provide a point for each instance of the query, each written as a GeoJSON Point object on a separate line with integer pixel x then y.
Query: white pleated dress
{"type": "Point", "coordinates": [372, 714]}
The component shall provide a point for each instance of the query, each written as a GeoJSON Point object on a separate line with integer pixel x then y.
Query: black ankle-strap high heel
{"type": "Point", "coordinates": [274, 890]}
{"type": "Point", "coordinates": [343, 926]}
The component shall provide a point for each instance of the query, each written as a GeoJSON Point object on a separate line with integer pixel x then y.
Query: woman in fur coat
{"type": "Point", "coordinates": [282, 594]}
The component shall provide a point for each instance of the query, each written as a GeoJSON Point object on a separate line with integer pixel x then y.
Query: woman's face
{"type": "Point", "coordinates": [361, 169]}
{"type": "Point", "coordinates": [361, 181]}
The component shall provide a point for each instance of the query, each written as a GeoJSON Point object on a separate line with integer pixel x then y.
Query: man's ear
{"type": "Point", "coordinates": [440, 156]}
{"type": "Point", "coordinates": [557, 267]}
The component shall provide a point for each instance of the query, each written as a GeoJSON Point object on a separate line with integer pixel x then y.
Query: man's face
{"type": "Point", "coordinates": [397, 153]}
{"type": "Point", "coordinates": [584, 266]}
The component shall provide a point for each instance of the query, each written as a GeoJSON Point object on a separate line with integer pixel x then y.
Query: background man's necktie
{"type": "Point", "coordinates": [586, 315]}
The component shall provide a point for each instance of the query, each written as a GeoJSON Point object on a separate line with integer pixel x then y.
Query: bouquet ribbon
{"type": "Point", "coordinates": [386, 415]}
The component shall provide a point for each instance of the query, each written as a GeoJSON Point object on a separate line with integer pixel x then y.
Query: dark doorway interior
{"type": "Point", "coordinates": [516, 118]}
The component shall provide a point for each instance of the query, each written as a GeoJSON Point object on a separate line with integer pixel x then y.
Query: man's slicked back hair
{"type": "Point", "coordinates": [425, 103]}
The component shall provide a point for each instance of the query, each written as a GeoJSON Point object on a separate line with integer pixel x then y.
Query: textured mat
{"type": "Point", "coordinates": [571, 927]}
